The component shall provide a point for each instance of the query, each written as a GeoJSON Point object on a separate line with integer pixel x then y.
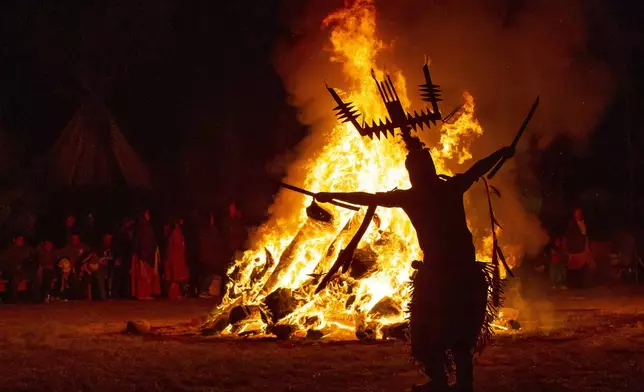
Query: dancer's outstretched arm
{"type": "Point", "coordinates": [385, 199]}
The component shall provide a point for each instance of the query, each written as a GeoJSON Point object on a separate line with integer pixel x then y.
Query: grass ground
{"type": "Point", "coordinates": [584, 341]}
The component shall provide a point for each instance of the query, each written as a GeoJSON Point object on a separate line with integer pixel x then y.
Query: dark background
{"type": "Point", "coordinates": [193, 87]}
{"type": "Point", "coordinates": [190, 84]}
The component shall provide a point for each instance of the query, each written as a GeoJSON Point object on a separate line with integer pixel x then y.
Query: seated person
{"type": "Point", "coordinates": [93, 276]}
{"type": "Point", "coordinates": [96, 270]}
{"type": "Point", "coordinates": [74, 253]}
{"type": "Point", "coordinates": [66, 285]}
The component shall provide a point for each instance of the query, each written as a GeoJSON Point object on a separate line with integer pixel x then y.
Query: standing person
{"type": "Point", "coordinates": [211, 255]}
{"type": "Point", "coordinates": [175, 266]}
{"type": "Point", "coordinates": [450, 292]}
{"type": "Point", "coordinates": [580, 260]}
{"type": "Point", "coordinates": [15, 262]}
{"type": "Point", "coordinates": [70, 229]}
{"type": "Point", "coordinates": [46, 258]}
{"type": "Point", "coordinates": [145, 260]}
{"type": "Point", "coordinates": [107, 258]}
{"type": "Point", "coordinates": [89, 231]}
{"type": "Point", "coordinates": [558, 265]}
{"type": "Point", "coordinates": [123, 247]}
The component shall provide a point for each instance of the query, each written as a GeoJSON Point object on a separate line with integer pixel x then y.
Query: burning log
{"type": "Point", "coordinates": [346, 255]}
{"type": "Point", "coordinates": [310, 230]}
{"type": "Point", "coordinates": [396, 331]}
{"type": "Point", "coordinates": [350, 301]}
{"type": "Point", "coordinates": [323, 265]}
{"type": "Point", "coordinates": [259, 273]}
{"type": "Point", "coordinates": [217, 327]}
{"type": "Point", "coordinates": [281, 303]}
{"type": "Point", "coordinates": [316, 334]}
{"type": "Point", "coordinates": [367, 332]}
{"type": "Point", "coordinates": [340, 239]}
{"type": "Point", "coordinates": [364, 263]}
{"type": "Point", "coordinates": [385, 307]}
{"type": "Point", "coordinates": [221, 313]}
{"type": "Point", "coordinates": [282, 331]}
{"type": "Point", "coordinates": [355, 241]}
{"type": "Point", "coordinates": [246, 314]}
{"type": "Point", "coordinates": [311, 322]}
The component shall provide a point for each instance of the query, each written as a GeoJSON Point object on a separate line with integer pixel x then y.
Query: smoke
{"type": "Point", "coordinates": [503, 52]}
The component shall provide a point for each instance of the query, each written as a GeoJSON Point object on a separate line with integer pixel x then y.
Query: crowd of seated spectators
{"type": "Point", "coordinates": [131, 262]}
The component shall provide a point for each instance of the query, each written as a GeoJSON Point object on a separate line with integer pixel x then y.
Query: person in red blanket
{"type": "Point", "coordinates": [175, 267]}
{"type": "Point", "coordinates": [581, 266]}
{"type": "Point", "coordinates": [145, 260]}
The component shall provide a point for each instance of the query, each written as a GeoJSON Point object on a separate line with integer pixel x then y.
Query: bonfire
{"type": "Point", "coordinates": [272, 285]}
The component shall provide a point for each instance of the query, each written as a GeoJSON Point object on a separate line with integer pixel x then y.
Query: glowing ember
{"type": "Point", "coordinates": [275, 279]}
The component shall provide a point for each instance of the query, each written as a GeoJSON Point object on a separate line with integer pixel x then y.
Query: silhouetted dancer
{"type": "Point", "coordinates": [450, 289]}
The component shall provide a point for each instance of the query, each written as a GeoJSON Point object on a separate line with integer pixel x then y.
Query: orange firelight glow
{"type": "Point", "coordinates": [290, 250]}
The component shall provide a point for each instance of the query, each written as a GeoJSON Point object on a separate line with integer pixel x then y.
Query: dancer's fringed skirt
{"type": "Point", "coordinates": [450, 307]}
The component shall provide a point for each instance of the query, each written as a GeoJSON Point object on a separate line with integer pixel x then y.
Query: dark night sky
{"type": "Point", "coordinates": [181, 78]}
{"type": "Point", "coordinates": [186, 78]}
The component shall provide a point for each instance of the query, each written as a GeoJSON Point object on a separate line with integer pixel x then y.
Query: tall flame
{"type": "Point", "coordinates": [290, 251]}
